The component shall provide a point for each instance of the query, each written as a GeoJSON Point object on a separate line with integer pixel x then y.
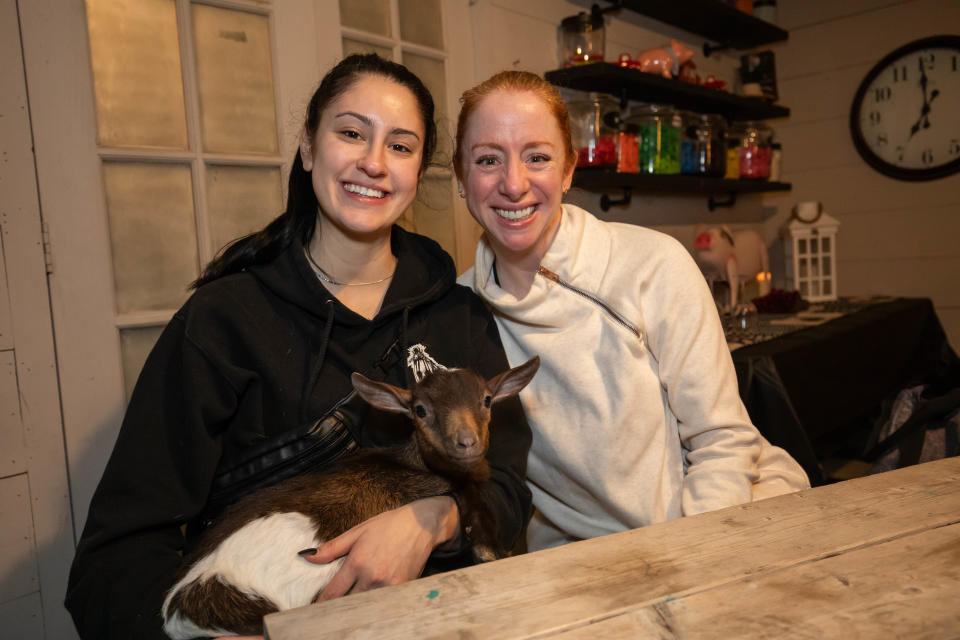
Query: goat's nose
{"type": "Point", "coordinates": [467, 440]}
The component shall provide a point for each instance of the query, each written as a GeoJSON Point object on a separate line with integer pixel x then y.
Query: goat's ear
{"type": "Point", "coordinates": [509, 383]}
{"type": "Point", "coordinates": [382, 395]}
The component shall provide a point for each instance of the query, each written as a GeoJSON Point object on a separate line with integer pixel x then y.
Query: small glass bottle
{"type": "Point", "coordinates": [776, 160]}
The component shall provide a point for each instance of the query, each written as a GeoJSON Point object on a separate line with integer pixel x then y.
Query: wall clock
{"type": "Point", "coordinates": [905, 118]}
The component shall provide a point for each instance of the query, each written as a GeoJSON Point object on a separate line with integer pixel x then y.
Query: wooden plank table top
{"type": "Point", "coordinates": [871, 557]}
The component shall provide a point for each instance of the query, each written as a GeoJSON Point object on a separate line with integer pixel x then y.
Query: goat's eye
{"type": "Point", "coordinates": [420, 411]}
{"type": "Point", "coordinates": [487, 401]}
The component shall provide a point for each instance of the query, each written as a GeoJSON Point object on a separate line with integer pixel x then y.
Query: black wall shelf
{"type": "Point", "coordinates": [711, 19]}
{"type": "Point", "coordinates": [600, 179]}
{"type": "Point", "coordinates": [716, 21]}
{"type": "Point", "coordinates": [632, 84]}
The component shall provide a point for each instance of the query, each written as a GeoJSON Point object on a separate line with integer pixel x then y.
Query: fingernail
{"type": "Point", "coordinates": [308, 552]}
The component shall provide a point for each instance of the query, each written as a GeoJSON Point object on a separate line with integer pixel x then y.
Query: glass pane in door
{"type": "Point", "coordinates": [367, 15]}
{"type": "Point", "coordinates": [432, 212]}
{"type": "Point", "coordinates": [431, 71]}
{"type": "Point", "coordinates": [153, 236]}
{"type": "Point", "coordinates": [351, 46]}
{"type": "Point", "coordinates": [135, 346]}
{"type": "Point", "coordinates": [136, 73]}
{"type": "Point", "coordinates": [241, 200]}
{"type": "Point", "coordinates": [235, 78]}
{"type": "Point", "coordinates": [421, 22]}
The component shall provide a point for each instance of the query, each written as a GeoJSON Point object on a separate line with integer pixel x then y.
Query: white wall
{"type": "Point", "coordinates": [895, 237]}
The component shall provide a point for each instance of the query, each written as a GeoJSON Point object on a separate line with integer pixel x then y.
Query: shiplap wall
{"type": "Point", "coordinates": [895, 237]}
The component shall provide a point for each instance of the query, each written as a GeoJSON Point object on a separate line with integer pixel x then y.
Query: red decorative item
{"type": "Point", "coordinates": [711, 82]}
{"type": "Point", "coordinates": [780, 301]}
{"type": "Point", "coordinates": [626, 61]}
{"type": "Point", "coordinates": [688, 73]}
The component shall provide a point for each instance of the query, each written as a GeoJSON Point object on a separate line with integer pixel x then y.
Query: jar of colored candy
{"type": "Point", "coordinates": [659, 128]}
{"type": "Point", "coordinates": [703, 150]}
{"type": "Point", "coordinates": [594, 120]}
{"type": "Point", "coordinates": [582, 38]}
{"type": "Point", "coordinates": [755, 150]}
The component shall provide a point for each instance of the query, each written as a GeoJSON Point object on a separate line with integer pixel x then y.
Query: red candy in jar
{"type": "Point", "coordinates": [754, 151]}
{"type": "Point", "coordinates": [602, 153]}
{"type": "Point", "coordinates": [593, 120]}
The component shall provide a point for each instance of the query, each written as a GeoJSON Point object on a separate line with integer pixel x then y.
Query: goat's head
{"type": "Point", "coordinates": [451, 411]}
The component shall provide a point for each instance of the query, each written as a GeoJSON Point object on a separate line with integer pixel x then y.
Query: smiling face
{"type": "Point", "coordinates": [364, 160]}
{"type": "Point", "coordinates": [514, 171]}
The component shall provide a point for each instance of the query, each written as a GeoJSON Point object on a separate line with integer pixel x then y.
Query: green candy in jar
{"type": "Point", "coordinates": [659, 138]}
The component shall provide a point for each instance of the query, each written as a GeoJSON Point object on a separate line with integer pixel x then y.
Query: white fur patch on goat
{"type": "Point", "coordinates": [263, 552]}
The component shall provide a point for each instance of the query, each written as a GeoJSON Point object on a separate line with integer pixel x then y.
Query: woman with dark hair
{"type": "Point", "coordinates": [250, 381]}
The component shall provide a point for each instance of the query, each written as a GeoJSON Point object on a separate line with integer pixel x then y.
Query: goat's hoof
{"type": "Point", "coordinates": [484, 554]}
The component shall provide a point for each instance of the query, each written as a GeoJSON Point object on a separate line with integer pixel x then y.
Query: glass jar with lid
{"type": "Point", "coordinates": [593, 122]}
{"type": "Point", "coordinates": [658, 128]}
{"type": "Point", "coordinates": [754, 150]}
{"type": "Point", "coordinates": [707, 154]}
{"type": "Point", "coordinates": [582, 38]}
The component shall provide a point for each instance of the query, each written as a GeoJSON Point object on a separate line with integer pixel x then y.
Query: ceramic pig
{"type": "Point", "coordinates": [733, 258]}
{"type": "Point", "coordinates": [665, 61]}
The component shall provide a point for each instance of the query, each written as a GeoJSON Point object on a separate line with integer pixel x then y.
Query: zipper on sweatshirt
{"type": "Point", "coordinates": [613, 313]}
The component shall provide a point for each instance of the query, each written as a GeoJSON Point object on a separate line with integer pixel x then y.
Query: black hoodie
{"type": "Point", "coordinates": [250, 359]}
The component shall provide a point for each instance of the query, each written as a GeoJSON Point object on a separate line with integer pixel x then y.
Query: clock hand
{"type": "Point", "coordinates": [926, 114]}
{"type": "Point", "coordinates": [923, 119]}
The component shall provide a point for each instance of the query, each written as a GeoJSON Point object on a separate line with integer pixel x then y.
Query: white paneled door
{"type": "Point", "coordinates": [155, 132]}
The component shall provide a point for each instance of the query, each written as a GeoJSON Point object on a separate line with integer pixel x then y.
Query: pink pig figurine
{"type": "Point", "coordinates": [732, 258]}
{"type": "Point", "coordinates": [666, 60]}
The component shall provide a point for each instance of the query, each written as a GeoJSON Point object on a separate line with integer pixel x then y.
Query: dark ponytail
{"type": "Point", "coordinates": [299, 218]}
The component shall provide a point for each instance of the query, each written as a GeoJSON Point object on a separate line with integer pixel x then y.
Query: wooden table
{"type": "Point", "coordinates": [872, 557]}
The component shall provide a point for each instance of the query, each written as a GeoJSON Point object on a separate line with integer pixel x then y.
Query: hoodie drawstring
{"type": "Point", "coordinates": [404, 347]}
{"type": "Point", "coordinates": [321, 356]}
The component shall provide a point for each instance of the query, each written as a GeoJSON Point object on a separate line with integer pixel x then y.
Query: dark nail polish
{"type": "Point", "coordinates": [307, 552]}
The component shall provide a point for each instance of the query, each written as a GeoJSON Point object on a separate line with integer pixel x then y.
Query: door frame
{"type": "Point", "coordinates": [43, 455]}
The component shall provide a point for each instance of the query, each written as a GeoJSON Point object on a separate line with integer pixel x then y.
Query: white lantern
{"type": "Point", "coordinates": [810, 246]}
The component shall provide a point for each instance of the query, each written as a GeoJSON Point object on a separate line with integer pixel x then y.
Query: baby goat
{"type": "Point", "coordinates": [246, 565]}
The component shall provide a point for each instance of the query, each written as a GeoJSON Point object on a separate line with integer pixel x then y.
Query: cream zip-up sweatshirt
{"type": "Point", "coordinates": [628, 430]}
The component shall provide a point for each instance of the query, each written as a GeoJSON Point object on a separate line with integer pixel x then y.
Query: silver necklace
{"type": "Point", "coordinates": [323, 275]}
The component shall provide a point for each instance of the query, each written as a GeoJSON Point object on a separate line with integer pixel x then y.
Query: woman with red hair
{"type": "Point", "coordinates": [635, 410]}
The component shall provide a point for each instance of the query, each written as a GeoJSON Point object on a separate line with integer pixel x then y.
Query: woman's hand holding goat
{"type": "Point", "coordinates": [389, 548]}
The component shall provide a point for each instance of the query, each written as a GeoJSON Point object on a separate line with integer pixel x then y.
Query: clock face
{"type": "Point", "coordinates": [905, 118]}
